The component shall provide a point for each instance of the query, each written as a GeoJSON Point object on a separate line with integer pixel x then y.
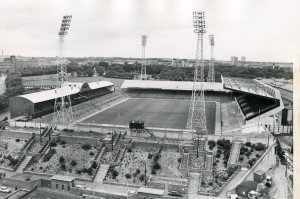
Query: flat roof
{"type": "Point", "coordinates": [151, 191]}
{"type": "Point", "coordinates": [171, 85]}
{"type": "Point", "coordinates": [70, 88]}
{"type": "Point", "coordinates": [62, 178]}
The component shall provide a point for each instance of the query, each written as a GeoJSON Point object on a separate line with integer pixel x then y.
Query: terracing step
{"type": "Point", "coordinates": [194, 179]}
{"type": "Point", "coordinates": [208, 162]}
{"type": "Point", "coordinates": [201, 143]}
{"type": "Point", "coordinates": [185, 160]}
{"type": "Point", "coordinates": [119, 136]}
{"type": "Point", "coordinates": [102, 151]}
{"type": "Point", "coordinates": [120, 154]}
{"type": "Point", "coordinates": [235, 152]}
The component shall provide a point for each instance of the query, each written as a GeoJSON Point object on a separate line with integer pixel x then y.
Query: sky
{"type": "Point", "coordinates": [260, 30]}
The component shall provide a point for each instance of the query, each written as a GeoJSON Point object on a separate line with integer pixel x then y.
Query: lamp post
{"type": "Point", "coordinates": [145, 174]}
{"type": "Point", "coordinates": [40, 133]}
{"type": "Point", "coordinates": [197, 116]}
{"type": "Point", "coordinates": [143, 69]}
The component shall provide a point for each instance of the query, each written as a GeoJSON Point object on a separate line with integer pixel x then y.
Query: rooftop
{"type": "Point", "coordinates": [150, 191]}
{"type": "Point", "coordinates": [170, 85]}
{"type": "Point", "coordinates": [70, 88]}
{"type": "Point", "coordinates": [62, 178]}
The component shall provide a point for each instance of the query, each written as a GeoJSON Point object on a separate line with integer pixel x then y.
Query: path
{"type": "Point", "coordinates": [235, 152]}
{"type": "Point", "coordinates": [232, 183]}
{"type": "Point", "coordinates": [279, 187]}
{"type": "Point", "coordinates": [194, 183]}
{"type": "Point", "coordinates": [101, 173]}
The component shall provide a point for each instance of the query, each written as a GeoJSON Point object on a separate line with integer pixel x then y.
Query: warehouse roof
{"type": "Point", "coordinates": [70, 88]}
{"type": "Point", "coordinates": [170, 85]}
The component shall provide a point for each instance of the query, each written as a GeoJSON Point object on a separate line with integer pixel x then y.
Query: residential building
{"type": "Point", "coordinates": [234, 61]}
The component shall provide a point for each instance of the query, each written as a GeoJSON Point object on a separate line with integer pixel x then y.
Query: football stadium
{"type": "Point", "coordinates": [159, 104]}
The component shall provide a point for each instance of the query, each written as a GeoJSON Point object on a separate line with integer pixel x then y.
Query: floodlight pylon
{"type": "Point", "coordinates": [197, 117]}
{"type": "Point", "coordinates": [62, 107]}
{"type": "Point", "coordinates": [143, 67]}
{"type": "Point", "coordinates": [211, 69]}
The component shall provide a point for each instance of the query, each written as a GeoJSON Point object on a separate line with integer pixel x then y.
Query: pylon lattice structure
{"type": "Point", "coordinates": [63, 107]}
{"type": "Point", "coordinates": [211, 69]}
{"type": "Point", "coordinates": [197, 117]}
{"type": "Point", "coordinates": [143, 69]}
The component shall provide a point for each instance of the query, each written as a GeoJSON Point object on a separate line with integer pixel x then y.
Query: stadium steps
{"type": "Point", "coordinates": [201, 143]}
{"type": "Point", "coordinates": [194, 179]}
{"type": "Point", "coordinates": [23, 164]}
{"type": "Point", "coordinates": [102, 152]}
{"type": "Point", "coordinates": [208, 163]}
{"type": "Point", "coordinates": [235, 152]}
{"type": "Point", "coordinates": [185, 160]}
{"type": "Point", "coordinates": [120, 154]}
{"type": "Point", "coordinates": [119, 138]}
{"type": "Point", "coordinates": [101, 173]}
{"type": "Point", "coordinates": [48, 131]}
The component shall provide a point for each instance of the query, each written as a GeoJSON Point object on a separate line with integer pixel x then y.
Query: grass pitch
{"type": "Point", "coordinates": [154, 112]}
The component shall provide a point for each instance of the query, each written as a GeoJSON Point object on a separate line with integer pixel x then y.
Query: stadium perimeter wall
{"type": "Point", "coordinates": [171, 134]}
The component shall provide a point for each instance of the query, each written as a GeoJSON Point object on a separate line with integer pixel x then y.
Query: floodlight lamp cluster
{"type": "Point", "coordinates": [211, 40]}
{"type": "Point", "coordinates": [144, 40]}
{"type": "Point", "coordinates": [199, 22]}
{"type": "Point", "coordinates": [65, 24]}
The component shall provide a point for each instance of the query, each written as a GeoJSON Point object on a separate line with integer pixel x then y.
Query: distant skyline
{"type": "Point", "coordinates": [259, 30]}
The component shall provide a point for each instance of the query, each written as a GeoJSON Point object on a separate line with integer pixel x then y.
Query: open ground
{"type": "Point", "coordinates": [161, 113]}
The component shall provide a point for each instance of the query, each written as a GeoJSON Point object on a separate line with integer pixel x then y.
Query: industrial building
{"type": "Point", "coordinates": [12, 64]}
{"type": "Point", "coordinates": [42, 103]}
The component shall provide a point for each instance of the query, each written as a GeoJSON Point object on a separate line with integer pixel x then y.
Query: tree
{"type": "Point", "coordinates": [73, 163]}
{"type": "Point", "coordinates": [142, 177]}
{"type": "Point", "coordinates": [114, 173]}
{"type": "Point", "coordinates": [14, 86]}
{"type": "Point", "coordinates": [127, 175]}
{"type": "Point", "coordinates": [88, 72]}
{"type": "Point", "coordinates": [4, 102]}
{"type": "Point", "coordinates": [156, 166]}
{"type": "Point", "coordinates": [260, 147]}
{"type": "Point", "coordinates": [61, 159]}
{"type": "Point", "coordinates": [63, 167]}
{"type": "Point", "coordinates": [94, 165]}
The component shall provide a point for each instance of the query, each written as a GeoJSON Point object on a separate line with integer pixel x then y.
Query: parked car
{"type": "Point", "coordinates": [131, 192]}
{"type": "Point", "coordinates": [5, 189]}
{"type": "Point", "coordinates": [174, 193]}
{"type": "Point", "coordinates": [268, 181]}
{"type": "Point", "coordinates": [234, 196]}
